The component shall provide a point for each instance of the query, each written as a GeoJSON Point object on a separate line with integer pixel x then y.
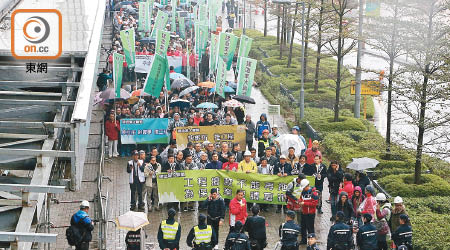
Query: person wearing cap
{"type": "Point", "coordinates": [256, 227]}
{"type": "Point", "coordinates": [202, 236]}
{"type": "Point", "coordinates": [340, 234]}
{"type": "Point", "coordinates": [308, 202]}
{"type": "Point", "coordinates": [151, 186]}
{"type": "Point", "coordinates": [403, 235]}
{"type": "Point", "coordinates": [169, 232]}
{"type": "Point", "coordinates": [398, 210]}
{"type": "Point", "coordinates": [84, 224]}
{"type": "Point", "coordinates": [312, 152]}
{"type": "Point", "coordinates": [238, 209]}
{"type": "Point", "coordinates": [282, 168]}
{"type": "Point", "coordinates": [289, 232]}
{"type": "Point", "coordinates": [237, 240]}
{"type": "Point", "coordinates": [263, 142]}
{"type": "Point", "coordinates": [382, 216]}
{"type": "Point", "coordinates": [262, 125]}
{"type": "Point", "coordinates": [292, 159]}
{"type": "Point", "coordinates": [312, 242]}
{"type": "Point", "coordinates": [274, 135]}
{"type": "Point", "coordinates": [249, 131]}
{"type": "Point", "coordinates": [296, 131]}
{"type": "Point", "coordinates": [293, 195]}
{"type": "Point", "coordinates": [319, 171]}
{"type": "Point", "coordinates": [247, 165]}
{"type": "Point", "coordinates": [366, 236]}
{"type": "Point", "coordinates": [135, 169]}
{"type": "Point", "coordinates": [215, 206]}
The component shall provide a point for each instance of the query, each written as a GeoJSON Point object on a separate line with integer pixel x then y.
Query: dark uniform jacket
{"type": "Point", "coordinates": [366, 238]}
{"type": "Point", "coordinates": [256, 228]}
{"type": "Point", "coordinates": [340, 237]}
{"type": "Point", "coordinates": [237, 241]}
{"type": "Point", "coordinates": [191, 236]}
{"type": "Point", "coordinates": [289, 232]}
{"type": "Point", "coordinates": [403, 236]}
{"type": "Point", "coordinates": [171, 244]}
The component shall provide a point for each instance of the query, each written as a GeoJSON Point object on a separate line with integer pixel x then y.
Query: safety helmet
{"type": "Point", "coordinates": [84, 204]}
{"type": "Point", "coordinates": [381, 197]}
{"type": "Point", "coordinates": [398, 199]}
{"type": "Point", "coordinates": [265, 131]}
{"type": "Point", "coordinates": [247, 153]}
{"type": "Point", "coordinates": [296, 128]}
{"type": "Point", "coordinates": [275, 126]}
{"type": "Point", "coordinates": [304, 183]}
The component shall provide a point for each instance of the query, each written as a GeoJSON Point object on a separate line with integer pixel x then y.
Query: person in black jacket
{"type": "Point", "coordinates": [133, 240]}
{"type": "Point", "coordinates": [171, 166]}
{"type": "Point", "coordinates": [366, 238]}
{"type": "Point", "coordinates": [282, 169]}
{"type": "Point", "coordinates": [335, 180]}
{"type": "Point", "coordinates": [216, 210]}
{"type": "Point", "coordinates": [209, 238]}
{"type": "Point", "coordinates": [361, 180]}
{"type": "Point", "coordinates": [256, 227]}
{"type": "Point", "coordinates": [289, 232]}
{"type": "Point", "coordinates": [236, 239]}
{"type": "Point", "coordinates": [319, 171]}
{"type": "Point", "coordinates": [166, 239]}
{"type": "Point", "coordinates": [82, 221]}
{"type": "Point", "coordinates": [340, 235]}
{"type": "Point", "coordinates": [249, 131]}
{"type": "Point", "coordinates": [403, 235]}
{"type": "Point", "coordinates": [204, 65]}
{"type": "Point", "coordinates": [312, 242]}
{"type": "Point", "coordinates": [344, 205]}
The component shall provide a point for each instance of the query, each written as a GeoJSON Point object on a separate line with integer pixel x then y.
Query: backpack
{"type": "Point", "coordinates": [74, 234]}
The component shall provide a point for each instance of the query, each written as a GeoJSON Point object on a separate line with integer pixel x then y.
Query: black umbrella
{"type": "Point", "coordinates": [146, 40]}
{"type": "Point", "coordinates": [244, 99]}
{"type": "Point", "coordinates": [183, 104]}
{"type": "Point", "coordinates": [181, 83]}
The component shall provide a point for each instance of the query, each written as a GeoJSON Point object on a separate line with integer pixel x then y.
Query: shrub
{"type": "Point", "coordinates": [345, 123]}
{"type": "Point", "coordinates": [430, 230]}
{"type": "Point", "coordinates": [436, 204]}
{"type": "Point", "coordinates": [403, 185]}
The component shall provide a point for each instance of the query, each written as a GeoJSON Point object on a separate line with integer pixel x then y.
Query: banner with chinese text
{"type": "Point", "coordinates": [227, 46]}
{"type": "Point", "coordinates": [221, 77]}
{"type": "Point", "coordinates": [127, 38]}
{"type": "Point", "coordinates": [143, 63]}
{"type": "Point", "coordinates": [117, 72]}
{"type": "Point", "coordinates": [144, 131]}
{"type": "Point", "coordinates": [160, 22]}
{"type": "Point", "coordinates": [162, 42]}
{"type": "Point", "coordinates": [213, 134]}
{"type": "Point", "coordinates": [156, 76]}
{"type": "Point", "coordinates": [195, 185]}
{"type": "Point", "coordinates": [247, 67]}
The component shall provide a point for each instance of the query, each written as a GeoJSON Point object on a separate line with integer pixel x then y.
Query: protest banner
{"type": "Point", "coordinates": [214, 134]}
{"type": "Point", "coordinates": [144, 131]}
{"type": "Point", "coordinates": [213, 53]}
{"type": "Point", "coordinates": [143, 63]}
{"type": "Point", "coordinates": [182, 27]}
{"type": "Point", "coordinates": [127, 38]}
{"type": "Point", "coordinates": [117, 71]}
{"type": "Point", "coordinates": [162, 42]}
{"type": "Point", "coordinates": [221, 77]}
{"type": "Point", "coordinates": [245, 44]}
{"type": "Point", "coordinates": [156, 76]}
{"type": "Point", "coordinates": [247, 69]}
{"type": "Point", "coordinates": [144, 17]}
{"type": "Point", "coordinates": [195, 185]}
{"type": "Point", "coordinates": [173, 26]}
{"type": "Point", "coordinates": [227, 46]}
{"type": "Point", "coordinates": [160, 22]}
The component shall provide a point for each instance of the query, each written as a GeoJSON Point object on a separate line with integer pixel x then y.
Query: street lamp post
{"type": "Point", "coordinates": [358, 62]}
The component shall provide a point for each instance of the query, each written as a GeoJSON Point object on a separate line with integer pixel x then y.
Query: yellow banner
{"type": "Point", "coordinates": [214, 134]}
{"type": "Point", "coordinates": [367, 87]}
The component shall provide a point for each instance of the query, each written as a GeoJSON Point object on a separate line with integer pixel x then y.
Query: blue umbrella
{"type": "Point", "coordinates": [227, 89]}
{"type": "Point", "coordinates": [232, 84]}
{"type": "Point", "coordinates": [207, 105]}
{"type": "Point", "coordinates": [158, 5]}
{"type": "Point", "coordinates": [176, 76]}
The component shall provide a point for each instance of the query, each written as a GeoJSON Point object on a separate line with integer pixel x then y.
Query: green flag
{"type": "Point", "coordinates": [213, 53]}
{"type": "Point", "coordinates": [162, 42]}
{"type": "Point", "coordinates": [117, 70]}
{"type": "Point", "coordinates": [245, 44]}
{"type": "Point", "coordinates": [167, 74]}
{"type": "Point", "coordinates": [212, 15]}
{"type": "Point", "coordinates": [127, 38]}
{"type": "Point", "coordinates": [156, 76]}
{"type": "Point", "coordinates": [173, 27]}
{"type": "Point", "coordinates": [182, 27]}
{"type": "Point", "coordinates": [144, 17]}
{"type": "Point", "coordinates": [227, 46]}
{"type": "Point", "coordinates": [160, 22]}
{"type": "Point", "coordinates": [221, 76]}
{"type": "Point", "coordinates": [247, 69]}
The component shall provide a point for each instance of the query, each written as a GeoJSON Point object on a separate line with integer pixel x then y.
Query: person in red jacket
{"type": "Point", "coordinates": [348, 185]}
{"type": "Point", "coordinates": [308, 201]}
{"type": "Point", "coordinates": [312, 152]}
{"type": "Point", "coordinates": [112, 128]}
{"type": "Point", "coordinates": [238, 209]}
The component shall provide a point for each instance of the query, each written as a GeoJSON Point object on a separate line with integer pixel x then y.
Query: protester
{"type": "Point", "coordinates": [112, 128]}
{"type": "Point", "coordinates": [403, 235]}
{"type": "Point", "coordinates": [319, 171]}
{"type": "Point", "coordinates": [366, 237]}
{"type": "Point", "coordinates": [237, 152]}
{"type": "Point", "coordinates": [133, 240]}
{"type": "Point", "coordinates": [361, 180]}
{"type": "Point", "coordinates": [216, 210]}
{"type": "Point", "coordinates": [308, 202]}
{"type": "Point", "coordinates": [344, 205]}
{"type": "Point", "coordinates": [247, 165]}
{"type": "Point", "coordinates": [300, 166]}
{"type": "Point", "coordinates": [215, 163]}
{"type": "Point", "coordinates": [348, 185]}
{"type": "Point", "coordinates": [84, 224]}
{"type": "Point", "coordinates": [169, 232]}
{"type": "Point", "coordinates": [171, 166]}
{"type": "Point", "coordinates": [264, 167]}
{"type": "Point", "coordinates": [296, 131]}
{"type": "Point", "coordinates": [249, 131]}
{"type": "Point", "coordinates": [135, 168]}
{"type": "Point", "coordinates": [293, 194]}
{"type": "Point", "coordinates": [335, 178]}
{"type": "Point", "coordinates": [256, 228]}
{"type": "Point", "coordinates": [231, 164]}
{"type": "Point", "coordinates": [261, 125]}
{"type": "Point", "coordinates": [151, 186]}
{"type": "Point", "coordinates": [292, 159]}
{"type": "Point", "coordinates": [271, 159]}
{"type": "Point", "coordinates": [312, 152]}
{"type": "Point", "coordinates": [224, 153]}
{"type": "Point", "coordinates": [253, 155]}
{"type": "Point", "coordinates": [369, 204]}
{"type": "Point", "coordinates": [274, 135]}
{"type": "Point", "coordinates": [382, 216]}
{"type": "Point", "coordinates": [263, 142]}
{"type": "Point", "coordinates": [340, 234]}
{"type": "Point", "coordinates": [236, 239]}
{"type": "Point", "coordinates": [202, 236]}
{"type": "Point", "coordinates": [238, 209]}
{"type": "Point", "coordinates": [282, 168]}
{"type": "Point", "coordinates": [289, 232]}
{"type": "Point", "coordinates": [398, 210]}
{"type": "Point", "coordinates": [357, 199]}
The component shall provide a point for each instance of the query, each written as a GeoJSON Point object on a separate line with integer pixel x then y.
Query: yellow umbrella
{"type": "Point", "coordinates": [132, 221]}
{"type": "Point", "coordinates": [207, 84]}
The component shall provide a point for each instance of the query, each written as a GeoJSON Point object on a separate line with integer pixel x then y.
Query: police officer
{"type": "Point", "coordinates": [289, 232]}
{"type": "Point", "coordinates": [202, 236]}
{"type": "Point", "coordinates": [236, 239]}
{"type": "Point", "coordinates": [402, 237]}
{"type": "Point", "coordinates": [340, 235]}
{"type": "Point", "coordinates": [293, 194]}
{"type": "Point", "coordinates": [366, 237]}
{"type": "Point", "coordinates": [312, 240]}
{"type": "Point", "coordinates": [216, 210]}
{"type": "Point", "coordinates": [256, 227]}
{"type": "Point", "coordinates": [169, 232]}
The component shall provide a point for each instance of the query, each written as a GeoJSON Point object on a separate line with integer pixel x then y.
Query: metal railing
{"type": "Point", "coordinates": [101, 199]}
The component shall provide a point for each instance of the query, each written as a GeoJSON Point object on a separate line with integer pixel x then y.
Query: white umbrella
{"type": "Point", "coordinates": [188, 90]}
{"type": "Point", "coordinates": [233, 103]}
{"type": "Point", "coordinates": [290, 140]}
{"type": "Point", "coordinates": [132, 221]}
{"type": "Point", "coordinates": [359, 164]}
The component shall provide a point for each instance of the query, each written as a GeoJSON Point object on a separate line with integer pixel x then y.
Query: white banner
{"type": "Point", "coordinates": [143, 63]}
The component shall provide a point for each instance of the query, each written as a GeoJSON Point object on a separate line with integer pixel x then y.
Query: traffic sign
{"type": "Point", "coordinates": [368, 87]}
{"type": "Point", "coordinates": [273, 109]}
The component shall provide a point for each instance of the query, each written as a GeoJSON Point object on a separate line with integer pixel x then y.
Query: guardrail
{"type": "Point", "coordinates": [286, 92]}
{"type": "Point", "coordinates": [102, 200]}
